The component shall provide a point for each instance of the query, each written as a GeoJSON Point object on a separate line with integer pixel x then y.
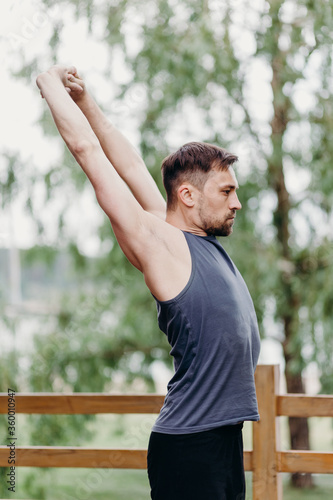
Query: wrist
{"type": "Point", "coordinates": [42, 79]}
{"type": "Point", "coordinates": [83, 100]}
{"type": "Point", "coordinates": [57, 73]}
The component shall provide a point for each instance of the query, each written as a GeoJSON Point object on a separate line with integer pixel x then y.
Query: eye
{"type": "Point", "coordinates": [226, 191]}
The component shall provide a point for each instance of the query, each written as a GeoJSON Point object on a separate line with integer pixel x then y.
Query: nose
{"type": "Point", "coordinates": [235, 204]}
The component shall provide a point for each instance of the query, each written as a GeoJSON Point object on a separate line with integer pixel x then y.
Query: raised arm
{"type": "Point", "coordinates": [153, 246]}
{"type": "Point", "coordinates": [129, 221]}
{"type": "Point", "coordinates": [123, 156]}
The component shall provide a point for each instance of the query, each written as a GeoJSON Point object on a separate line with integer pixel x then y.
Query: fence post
{"type": "Point", "coordinates": [267, 483]}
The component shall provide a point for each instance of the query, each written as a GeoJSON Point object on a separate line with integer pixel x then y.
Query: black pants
{"type": "Point", "coordinates": [202, 466]}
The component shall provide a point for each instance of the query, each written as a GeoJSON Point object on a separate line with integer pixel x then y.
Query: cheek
{"type": "Point", "coordinates": [220, 203]}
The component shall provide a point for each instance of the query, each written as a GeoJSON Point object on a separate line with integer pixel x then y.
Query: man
{"type": "Point", "coordinates": [195, 450]}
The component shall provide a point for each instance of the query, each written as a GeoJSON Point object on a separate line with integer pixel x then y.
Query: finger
{"type": "Point", "coordinates": [72, 70]}
{"type": "Point", "coordinates": [75, 79]}
{"type": "Point", "coordinates": [68, 89]}
{"type": "Point", "coordinates": [75, 87]}
{"type": "Point", "coordinates": [41, 94]}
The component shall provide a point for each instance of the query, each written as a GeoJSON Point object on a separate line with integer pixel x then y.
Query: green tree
{"type": "Point", "coordinates": [195, 68]}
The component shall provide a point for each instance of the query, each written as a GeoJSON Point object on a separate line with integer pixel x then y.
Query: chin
{"type": "Point", "coordinates": [224, 228]}
{"type": "Point", "coordinates": [219, 231]}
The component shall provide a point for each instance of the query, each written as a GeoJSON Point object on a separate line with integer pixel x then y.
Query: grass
{"type": "Point", "coordinates": [323, 488]}
{"type": "Point", "coordinates": [112, 484]}
{"type": "Point", "coordinates": [93, 484]}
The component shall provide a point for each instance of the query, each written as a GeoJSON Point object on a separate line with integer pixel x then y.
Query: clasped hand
{"type": "Point", "coordinates": [68, 75]}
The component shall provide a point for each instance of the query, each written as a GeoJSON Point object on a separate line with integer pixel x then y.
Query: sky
{"type": "Point", "coordinates": [25, 28]}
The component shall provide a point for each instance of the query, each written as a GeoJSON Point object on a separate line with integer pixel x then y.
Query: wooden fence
{"type": "Point", "coordinates": [266, 460]}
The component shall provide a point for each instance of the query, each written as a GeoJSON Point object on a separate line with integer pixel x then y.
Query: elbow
{"type": "Point", "coordinates": [83, 147]}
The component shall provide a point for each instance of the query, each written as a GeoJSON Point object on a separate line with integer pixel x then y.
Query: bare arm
{"type": "Point", "coordinates": [153, 246]}
{"type": "Point", "coordinates": [123, 156]}
{"type": "Point", "coordinates": [129, 220]}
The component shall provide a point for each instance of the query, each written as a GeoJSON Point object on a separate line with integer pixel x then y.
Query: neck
{"type": "Point", "coordinates": [177, 219]}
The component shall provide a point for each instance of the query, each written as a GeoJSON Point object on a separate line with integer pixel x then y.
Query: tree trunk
{"type": "Point", "coordinates": [289, 305]}
{"type": "Point", "coordinates": [298, 427]}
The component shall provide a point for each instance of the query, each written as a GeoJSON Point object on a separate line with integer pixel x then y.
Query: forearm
{"type": "Point", "coordinates": [111, 191]}
{"type": "Point", "coordinates": [70, 121]}
{"type": "Point", "coordinates": [113, 142]}
{"type": "Point", "coordinates": [123, 156]}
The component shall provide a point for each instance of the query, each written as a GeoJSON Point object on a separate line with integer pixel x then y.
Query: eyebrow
{"type": "Point", "coordinates": [230, 186]}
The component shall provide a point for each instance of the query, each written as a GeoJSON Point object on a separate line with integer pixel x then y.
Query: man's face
{"type": "Point", "coordinates": [218, 203]}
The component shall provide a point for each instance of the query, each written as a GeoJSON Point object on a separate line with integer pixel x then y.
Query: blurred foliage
{"type": "Point", "coordinates": [194, 66]}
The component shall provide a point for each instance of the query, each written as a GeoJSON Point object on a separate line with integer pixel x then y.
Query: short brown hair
{"type": "Point", "coordinates": [191, 162]}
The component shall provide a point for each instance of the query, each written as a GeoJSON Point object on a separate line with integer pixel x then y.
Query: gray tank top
{"type": "Point", "coordinates": [212, 328]}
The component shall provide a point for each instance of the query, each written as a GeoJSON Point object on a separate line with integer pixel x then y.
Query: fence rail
{"type": "Point", "coordinates": [265, 460]}
{"type": "Point", "coordinates": [49, 403]}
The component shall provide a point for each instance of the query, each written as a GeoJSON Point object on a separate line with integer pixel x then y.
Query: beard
{"type": "Point", "coordinates": [224, 229]}
{"type": "Point", "coordinates": [218, 227]}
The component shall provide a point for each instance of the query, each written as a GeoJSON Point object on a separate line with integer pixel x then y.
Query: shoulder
{"type": "Point", "coordinates": [166, 259]}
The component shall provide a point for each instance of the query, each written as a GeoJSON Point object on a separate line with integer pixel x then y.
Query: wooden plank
{"type": "Point", "coordinates": [292, 405]}
{"type": "Point", "coordinates": [56, 456]}
{"type": "Point", "coordinates": [296, 405]}
{"type": "Point", "coordinates": [305, 461]}
{"type": "Point", "coordinates": [82, 403]}
{"type": "Point", "coordinates": [248, 461]}
{"type": "Point", "coordinates": [266, 480]}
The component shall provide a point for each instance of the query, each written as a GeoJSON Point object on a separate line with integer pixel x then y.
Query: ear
{"type": "Point", "coordinates": [187, 194]}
